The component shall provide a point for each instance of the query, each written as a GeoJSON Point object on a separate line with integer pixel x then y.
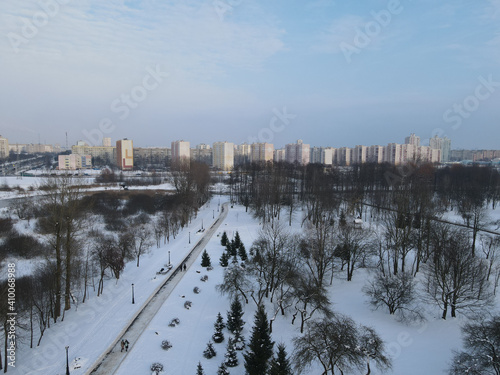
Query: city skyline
{"type": "Point", "coordinates": [332, 74]}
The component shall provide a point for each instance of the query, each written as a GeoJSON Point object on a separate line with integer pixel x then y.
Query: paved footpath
{"type": "Point", "coordinates": [110, 361]}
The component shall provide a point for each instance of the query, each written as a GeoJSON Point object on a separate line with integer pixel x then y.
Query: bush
{"type": "Point", "coordinates": [204, 278]}
{"type": "Point", "coordinates": [187, 305]}
{"type": "Point", "coordinates": [165, 345]}
{"type": "Point", "coordinates": [209, 351]}
{"type": "Point", "coordinates": [157, 368]}
{"type": "Point", "coordinates": [5, 225]}
{"type": "Point", "coordinates": [174, 322]}
{"type": "Point", "coordinates": [196, 290]}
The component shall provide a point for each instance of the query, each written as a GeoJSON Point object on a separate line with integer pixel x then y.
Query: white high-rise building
{"type": "Point", "coordinates": [180, 152]}
{"type": "Point", "coordinates": [297, 153]}
{"type": "Point", "coordinates": [262, 152]}
{"type": "Point", "coordinates": [4, 147]}
{"type": "Point", "coordinates": [413, 140]}
{"type": "Point", "coordinates": [443, 144]}
{"type": "Point", "coordinates": [279, 155]}
{"type": "Point", "coordinates": [223, 155]}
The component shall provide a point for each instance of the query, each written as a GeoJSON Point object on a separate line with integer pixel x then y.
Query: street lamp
{"type": "Point", "coordinates": [189, 237]}
{"type": "Point", "coordinates": [201, 223]}
{"type": "Point", "coordinates": [67, 361]}
{"type": "Point", "coordinates": [133, 301]}
{"type": "Point", "coordinates": [169, 257]}
{"type": "Point", "coordinates": [213, 214]}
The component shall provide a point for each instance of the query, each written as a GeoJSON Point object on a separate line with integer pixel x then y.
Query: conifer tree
{"type": "Point", "coordinates": [239, 341]}
{"type": "Point", "coordinates": [234, 317]}
{"type": "Point", "coordinates": [209, 351]}
{"type": "Point", "coordinates": [242, 253]}
{"type": "Point", "coordinates": [224, 259]}
{"type": "Point", "coordinates": [224, 240]}
{"type": "Point", "coordinates": [260, 348]}
{"type": "Point", "coordinates": [219, 325]}
{"type": "Point", "coordinates": [199, 369]}
{"type": "Point", "coordinates": [237, 241]}
{"type": "Point", "coordinates": [231, 354]}
{"type": "Point", "coordinates": [280, 365]}
{"type": "Point", "coordinates": [223, 369]}
{"type": "Point", "coordinates": [231, 249]}
{"type": "Point", "coordinates": [205, 259]}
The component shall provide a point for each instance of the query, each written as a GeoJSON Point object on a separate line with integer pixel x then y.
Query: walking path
{"type": "Point", "coordinates": [110, 360]}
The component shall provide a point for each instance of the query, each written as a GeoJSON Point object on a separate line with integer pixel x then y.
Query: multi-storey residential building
{"type": "Point", "coordinates": [315, 156]}
{"type": "Point", "coordinates": [106, 153]}
{"type": "Point", "coordinates": [443, 144]}
{"type": "Point", "coordinates": [359, 154]}
{"type": "Point", "coordinates": [202, 153]}
{"type": "Point", "coordinates": [375, 154]}
{"type": "Point", "coordinates": [393, 154]}
{"type": "Point", "coordinates": [74, 161]}
{"type": "Point", "coordinates": [261, 152]}
{"type": "Point", "coordinates": [181, 152]}
{"type": "Point", "coordinates": [242, 153]}
{"type": "Point", "coordinates": [413, 140]}
{"type": "Point", "coordinates": [125, 154]}
{"type": "Point", "coordinates": [4, 147]}
{"type": "Point", "coordinates": [223, 156]}
{"type": "Point", "coordinates": [297, 153]}
{"type": "Point", "coordinates": [344, 156]}
{"type": "Point", "coordinates": [322, 155]}
{"type": "Point", "coordinates": [151, 156]}
{"type": "Point", "coordinates": [106, 142]}
{"type": "Point", "coordinates": [279, 155]}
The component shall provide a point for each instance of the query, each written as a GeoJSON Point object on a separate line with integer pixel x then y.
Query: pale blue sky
{"type": "Point", "coordinates": [232, 65]}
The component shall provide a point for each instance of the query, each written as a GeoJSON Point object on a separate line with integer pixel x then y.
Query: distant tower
{"type": "Point", "coordinates": [125, 154]}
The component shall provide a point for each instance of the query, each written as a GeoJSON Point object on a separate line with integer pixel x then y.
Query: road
{"type": "Point", "coordinates": [110, 361]}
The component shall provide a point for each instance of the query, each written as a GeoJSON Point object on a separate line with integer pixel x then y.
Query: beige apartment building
{"type": "Point", "coordinates": [125, 154]}
{"type": "Point", "coordinates": [74, 162]}
{"type": "Point", "coordinates": [262, 152]}
{"type": "Point", "coordinates": [298, 153]}
{"type": "Point", "coordinates": [4, 147]}
{"type": "Point", "coordinates": [181, 152]}
{"type": "Point", "coordinates": [223, 155]}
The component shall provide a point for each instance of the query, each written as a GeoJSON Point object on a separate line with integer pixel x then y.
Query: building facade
{"type": "Point", "coordinates": [125, 154]}
{"type": "Point", "coordinates": [298, 153]}
{"type": "Point", "coordinates": [223, 156]}
{"type": "Point", "coordinates": [74, 162]}
{"type": "Point", "coordinates": [261, 152]}
{"type": "Point", "coordinates": [4, 147]}
{"type": "Point", "coordinates": [181, 152]}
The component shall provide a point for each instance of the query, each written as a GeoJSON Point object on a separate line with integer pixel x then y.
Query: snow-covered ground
{"type": "Point", "coordinates": [422, 348]}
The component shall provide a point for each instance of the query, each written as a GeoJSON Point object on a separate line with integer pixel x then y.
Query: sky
{"type": "Point", "coordinates": [332, 73]}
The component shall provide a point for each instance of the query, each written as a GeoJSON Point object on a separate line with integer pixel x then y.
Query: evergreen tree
{"type": "Point", "coordinates": [205, 259]}
{"type": "Point", "coordinates": [209, 351]}
{"type": "Point", "coordinates": [242, 253]}
{"type": "Point", "coordinates": [280, 365]}
{"type": "Point", "coordinates": [260, 348]}
{"type": "Point", "coordinates": [222, 369]}
{"type": "Point", "coordinates": [224, 259]}
{"type": "Point", "coordinates": [234, 317]}
{"type": "Point", "coordinates": [231, 354]}
{"type": "Point", "coordinates": [239, 341]}
{"type": "Point", "coordinates": [224, 240]}
{"type": "Point", "coordinates": [219, 325]}
{"type": "Point", "coordinates": [237, 241]}
{"type": "Point", "coordinates": [231, 250]}
{"type": "Point", "coordinates": [199, 369]}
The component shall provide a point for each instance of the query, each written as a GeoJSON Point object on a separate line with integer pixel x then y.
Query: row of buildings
{"type": "Point", "coordinates": [224, 155]}
{"type": "Point", "coordinates": [28, 148]}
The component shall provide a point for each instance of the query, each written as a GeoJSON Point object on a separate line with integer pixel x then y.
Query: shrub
{"type": "Point", "coordinates": [196, 290]}
{"type": "Point", "coordinates": [157, 368]}
{"type": "Point", "coordinates": [187, 305]}
{"type": "Point", "coordinates": [174, 322]}
{"type": "Point", "coordinates": [165, 345]}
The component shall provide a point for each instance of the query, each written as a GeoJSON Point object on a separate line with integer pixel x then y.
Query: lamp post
{"type": "Point", "coordinates": [189, 237]}
{"type": "Point", "coordinates": [67, 361]}
{"type": "Point", "coordinates": [202, 224]}
{"type": "Point", "coordinates": [213, 214]}
{"type": "Point", "coordinates": [169, 257]}
{"type": "Point", "coordinates": [133, 301]}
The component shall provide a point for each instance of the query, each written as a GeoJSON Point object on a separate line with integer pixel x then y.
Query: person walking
{"type": "Point", "coordinates": [122, 345]}
{"type": "Point", "coordinates": [185, 267]}
{"type": "Point", "coordinates": [126, 345]}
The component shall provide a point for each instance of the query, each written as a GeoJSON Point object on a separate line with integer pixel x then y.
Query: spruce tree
{"type": "Point", "coordinates": [231, 354]}
{"type": "Point", "coordinates": [237, 241]}
{"type": "Point", "coordinates": [231, 249]}
{"type": "Point", "coordinates": [224, 240]}
{"type": "Point", "coordinates": [223, 369]}
{"type": "Point", "coordinates": [224, 259]}
{"type": "Point", "coordinates": [242, 253]}
{"type": "Point", "coordinates": [205, 259]}
{"type": "Point", "coordinates": [199, 369]}
{"type": "Point", "coordinates": [260, 348]}
{"type": "Point", "coordinates": [280, 365]}
{"type": "Point", "coordinates": [239, 341]}
{"type": "Point", "coordinates": [234, 317]}
{"type": "Point", "coordinates": [219, 325]}
{"type": "Point", "coordinates": [209, 351]}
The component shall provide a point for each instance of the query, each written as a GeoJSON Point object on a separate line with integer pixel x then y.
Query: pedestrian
{"type": "Point", "coordinates": [185, 267]}
{"type": "Point", "coordinates": [126, 345]}
{"type": "Point", "coordinates": [123, 345]}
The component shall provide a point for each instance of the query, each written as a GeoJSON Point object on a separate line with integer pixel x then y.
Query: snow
{"type": "Point", "coordinates": [90, 328]}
